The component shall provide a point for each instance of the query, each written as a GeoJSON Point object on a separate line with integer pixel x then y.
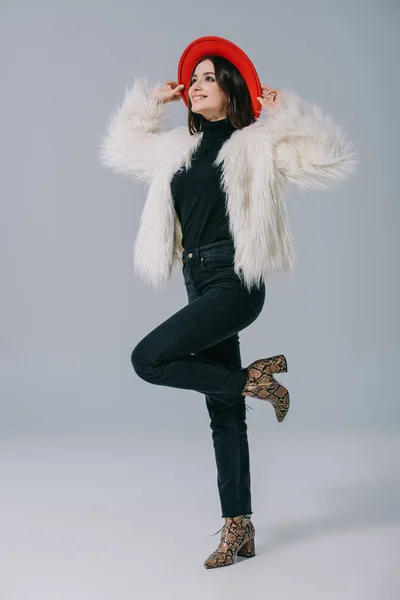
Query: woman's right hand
{"type": "Point", "coordinates": [170, 92]}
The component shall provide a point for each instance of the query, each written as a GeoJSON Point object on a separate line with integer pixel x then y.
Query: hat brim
{"type": "Point", "coordinates": [218, 46]}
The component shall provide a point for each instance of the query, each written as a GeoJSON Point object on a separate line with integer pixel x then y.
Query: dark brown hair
{"type": "Point", "coordinates": [239, 110]}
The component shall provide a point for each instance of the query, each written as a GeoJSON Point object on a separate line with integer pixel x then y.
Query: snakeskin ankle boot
{"type": "Point", "coordinates": [237, 539]}
{"type": "Point", "coordinates": [261, 383]}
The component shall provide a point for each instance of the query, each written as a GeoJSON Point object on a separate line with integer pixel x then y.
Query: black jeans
{"type": "Point", "coordinates": [197, 348]}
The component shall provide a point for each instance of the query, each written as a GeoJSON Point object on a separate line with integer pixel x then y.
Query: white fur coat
{"type": "Point", "coordinates": [297, 144]}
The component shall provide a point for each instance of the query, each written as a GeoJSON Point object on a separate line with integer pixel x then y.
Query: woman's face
{"type": "Point", "coordinates": [213, 103]}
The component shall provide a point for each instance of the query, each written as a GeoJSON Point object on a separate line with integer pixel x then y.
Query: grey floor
{"type": "Point", "coordinates": [87, 517]}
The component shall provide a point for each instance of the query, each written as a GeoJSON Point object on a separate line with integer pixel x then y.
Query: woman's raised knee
{"type": "Point", "coordinates": [142, 362]}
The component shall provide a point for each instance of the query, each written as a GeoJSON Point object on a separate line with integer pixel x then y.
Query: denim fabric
{"type": "Point", "coordinates": [197, 348]}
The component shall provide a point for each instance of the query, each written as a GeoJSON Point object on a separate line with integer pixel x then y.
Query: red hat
{"type": "Point", "coordinates": [218, 46]}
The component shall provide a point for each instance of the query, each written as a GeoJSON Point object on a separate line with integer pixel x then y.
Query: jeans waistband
{"type": "Point", "coordinates": [207, 248]}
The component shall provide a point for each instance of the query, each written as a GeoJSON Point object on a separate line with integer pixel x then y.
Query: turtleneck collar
{"type": "Point", "coordinates": [214, 130]}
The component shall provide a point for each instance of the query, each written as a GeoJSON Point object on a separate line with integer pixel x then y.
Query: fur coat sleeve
{"type": "Point", "coordinates": [133, 143]}
{"type": "Point", "coordinates": [310, 149]}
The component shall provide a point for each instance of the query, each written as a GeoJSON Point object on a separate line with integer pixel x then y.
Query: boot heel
{"type": "Point", "coordinates": [248, 549]}
{"type": "Point", "coordinates": [276, 364]}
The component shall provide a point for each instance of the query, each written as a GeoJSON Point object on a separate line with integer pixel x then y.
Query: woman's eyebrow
{"type": "Point", "coordinates": [207, 73]}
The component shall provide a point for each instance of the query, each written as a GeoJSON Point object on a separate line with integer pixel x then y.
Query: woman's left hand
{"type": "Point", "coordinates": [270, 97]}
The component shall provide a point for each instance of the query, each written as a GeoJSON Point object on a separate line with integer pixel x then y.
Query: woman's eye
{"type": "Point", "coordinates": [208, 77]}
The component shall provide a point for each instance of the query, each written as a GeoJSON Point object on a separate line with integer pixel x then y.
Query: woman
{"type": "Point", "coordinates": [215, 206]}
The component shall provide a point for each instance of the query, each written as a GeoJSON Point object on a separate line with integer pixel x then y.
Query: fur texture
{"type": "Point", "coordinates": [297, 144]}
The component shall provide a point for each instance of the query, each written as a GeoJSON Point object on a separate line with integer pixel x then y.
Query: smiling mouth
{"type": "Point", "coordinates": [196, 99]}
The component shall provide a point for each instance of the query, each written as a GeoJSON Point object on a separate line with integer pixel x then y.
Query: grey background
{"type": "Point", "coordinates": [72, 309]}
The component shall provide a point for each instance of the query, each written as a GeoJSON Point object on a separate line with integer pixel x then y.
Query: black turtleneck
{"type": "Point", "coordinates": [197, 193]}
